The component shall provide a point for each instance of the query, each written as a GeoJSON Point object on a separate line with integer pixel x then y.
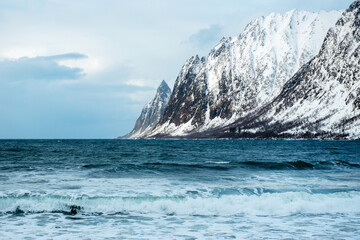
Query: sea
{"type": "Point", "coordinates": [179, 189]}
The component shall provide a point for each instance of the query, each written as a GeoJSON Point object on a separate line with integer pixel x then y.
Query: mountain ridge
{"type": "Point", "coordinates": [322, 100]}
{"type": "Point", "coordinates": [247, 88]}
{"type": "Point", "coordinates": [243, 73]}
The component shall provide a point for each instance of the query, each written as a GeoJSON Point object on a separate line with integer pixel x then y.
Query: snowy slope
{"type": "Point", "coordinates": [323, 98]}
{"type": "Point", "coordinates": [151, 112]}
{"type": "Point", "coordinates": [242, 74]}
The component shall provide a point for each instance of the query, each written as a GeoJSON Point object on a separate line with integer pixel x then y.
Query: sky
{"type": "Point", "coordinates": [85, 68]}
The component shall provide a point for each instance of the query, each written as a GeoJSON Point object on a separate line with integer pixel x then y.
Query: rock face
{"type": "Point", "coordinates": [242, 74]}
{"type": "Point", "coordinates": [323, 98]}
{"type": "Point", "coordinates": [151, 112]}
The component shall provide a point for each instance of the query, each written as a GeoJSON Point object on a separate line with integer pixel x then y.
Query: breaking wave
{"type": "Point", "coordinates": [265, 204]}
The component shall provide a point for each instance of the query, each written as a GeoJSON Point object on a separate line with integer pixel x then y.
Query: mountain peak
{"type": "Point", "coordinates": [151, 112]}
{"type": "Point", "coordinates": [163, 83]}
{"type": "Point", "coordinates": [163, 87]}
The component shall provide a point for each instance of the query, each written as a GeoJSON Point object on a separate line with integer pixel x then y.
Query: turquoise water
{"type": "Point", "coordinates": [179, 189]}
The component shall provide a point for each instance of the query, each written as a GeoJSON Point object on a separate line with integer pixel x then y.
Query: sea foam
{"type": "Point", "coordinates": [281, 204]}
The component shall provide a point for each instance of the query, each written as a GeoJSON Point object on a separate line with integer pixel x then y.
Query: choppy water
{"type": "Point", "coordinates": [162, 189]}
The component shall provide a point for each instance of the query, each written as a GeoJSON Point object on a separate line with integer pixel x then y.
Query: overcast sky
{"type": "Point", "coordinates": [85, 68]}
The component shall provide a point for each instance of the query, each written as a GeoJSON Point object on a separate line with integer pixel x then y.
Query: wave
{"type": "Point", "coordinates": [101, 165]}
{"type": "Point", "coordinates": [267, 165]}
{"type": "Point", "coordinates": [298, 165]}
{"type": "Point", "coordinates": [213, 162]}
{"type": "Point", "coordinates": [207, 165]}
{"type": "Point", "coordinates": [16, 150]}
{"type": "Point", "coordinates": [265, 204]}
{"type": "Point", "coordinates": [165, 166]}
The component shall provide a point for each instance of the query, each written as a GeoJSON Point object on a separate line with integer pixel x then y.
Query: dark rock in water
{"type": "Point", "coordinates": [74, 209]}
{"type": "Point", "coordinates": [19, 211]}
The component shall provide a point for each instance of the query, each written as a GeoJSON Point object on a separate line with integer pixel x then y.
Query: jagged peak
{"type": "Point", "coordinates": [192, 60]}
{"type": "Point", "coordinates": [163, 84]}
{"type": "Point", "coordinates": [216, 51]}
{"type": "Point", "coordinates": [163, 87]}
{"type": "Point", "coordinates": [151, 112]}
{"type": "Point", "coordinates": [289, 15]}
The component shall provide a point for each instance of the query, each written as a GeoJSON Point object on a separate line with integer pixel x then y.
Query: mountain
{"type": "Point", "coordinates": [151, 112]}
{"type": "Point", "coordinates": [322, 100]}
{"type": "Point", "coordinates": [242, 74]}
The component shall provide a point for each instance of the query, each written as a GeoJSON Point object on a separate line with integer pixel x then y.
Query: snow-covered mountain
{"type": "Point", "coordinates": [242, 74]}
{"type": "Point", "coordinates": [323, 98]}
{"type": "Point", "coordinates": [151, 112]}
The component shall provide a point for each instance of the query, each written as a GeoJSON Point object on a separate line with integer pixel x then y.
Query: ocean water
{"type": "Point", "coordinates": [179, 189]}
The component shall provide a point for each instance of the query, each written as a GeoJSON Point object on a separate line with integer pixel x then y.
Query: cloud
{"type": "Point", "coordinates": [40, 68]}
{"type": "Point", "coordinates": [206, 37]}
{"type": "Point", "coordinates": [141, 83]}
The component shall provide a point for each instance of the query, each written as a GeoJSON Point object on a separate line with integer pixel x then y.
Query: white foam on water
{"type": "Point", "coordinates": [159, 226]}
{"type": "Point", "coordinates": [274, 204]}
{"type": "Point", "coordinates": [213, 162]}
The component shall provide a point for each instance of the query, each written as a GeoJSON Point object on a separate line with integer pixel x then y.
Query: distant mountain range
{"type": "Point", "coordinates": [277, 79]}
